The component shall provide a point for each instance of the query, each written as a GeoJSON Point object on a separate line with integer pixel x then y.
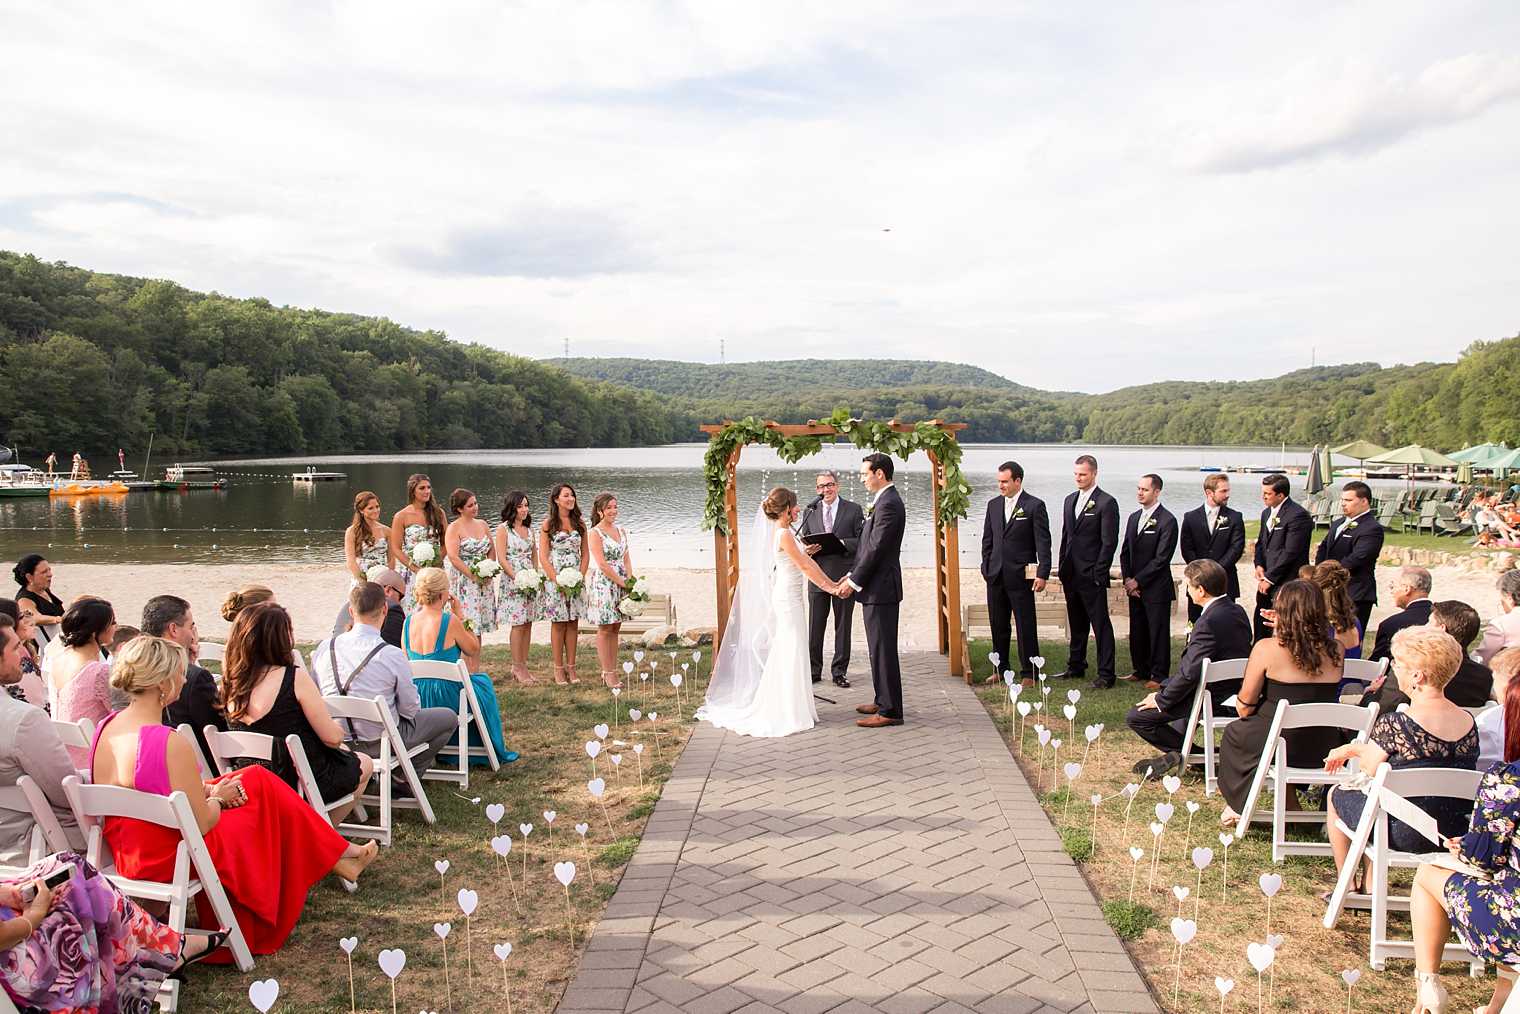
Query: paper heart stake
{"type": "Point", "coordinates": [442, 866]}
{"type": "Point", "coordinates": [525, 830]}
{"type": "Point", "coordinates": [1275, 942]}
{"type": "Point", "coordinates": [634, 714]}
{"type": "Point", "coordinates": [1071, 770]}
{"type": "Point", "coordinates": [1350, 977]}
{"type": "Point", "coordinates": [348, 944]}
{"type": "Point", "coordinates": [468, 902]}
{"type": "Point", "coordinates": [565, 873]}
{"type": "Point", "coordinates": [1224, 986]}
{"type": "Point", "coordinates": [494, 813]}
{"type": "Point", "coordinates": [1202, 857]}
{"type": "Point", "coordinates": [1038, 661]}
{"type": "Point", "coordinates": [1187, 836]}
{"type": "Point", "coordinates": [503, 952]}
{"type": "Point", "coordinates": [601, 730]}
{"type": "Point", "coordinates": [1225, 840]}
{"type": "Point", "coordinates": [1260, 956]}
{"type": "Point", "coordinates": [654, 718]}
{"type": "Point", "coordinates": [617, 765]}
{"type": "Point", "coordinates": [441, 930]}
{"type": "Point", "coordinates": [391, 963]}
{"type": "Point", "coordinates": [1136, 853]}
{"type": "Point", "coordinates": [592, 749]}
{"type": "Point", "coordinates": [1157, 830]}
{"type": "Point", "coordinates": [1270, 884]}
{"type": "Point", "coordinates": [581, 830]}
{"type": "Point", "coordinates": [1092, 834]}
{"type": "Point", "coordinates": [549, 816]}
{"type": "Point", "coordinates": [1091, 734]}
{"type": "Point", "coordinates": [1183, 931]}
{"type": "Point", "coordinates": [263, 993]}
{"type": "Point", "coordinates": [597, 787]}
{"type": "Point", "coordinates": [1171, 783]}
{"type": "Point", "coordinates": [638, 758]}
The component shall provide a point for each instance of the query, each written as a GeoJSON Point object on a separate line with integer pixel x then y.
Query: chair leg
{"type": "Point", "coordinates": [385, 807]}
{"type": "Point", "coordinates": [1280, 790]}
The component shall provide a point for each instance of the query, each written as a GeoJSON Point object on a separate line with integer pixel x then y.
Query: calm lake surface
{"type": "Point", "coordinates": [264, 517]}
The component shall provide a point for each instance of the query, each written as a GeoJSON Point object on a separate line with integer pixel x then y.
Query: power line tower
{"type": "Point", "coordinates": [567, 348]}
{"type": "Point", "coordinates": [722, 351]}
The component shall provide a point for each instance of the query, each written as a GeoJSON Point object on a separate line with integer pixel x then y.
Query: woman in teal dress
{"type": "Point", "coordinates": [429, 634]}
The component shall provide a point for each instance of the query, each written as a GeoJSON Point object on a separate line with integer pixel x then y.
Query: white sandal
{"type": "Point", "coordinates": [1431, 998]}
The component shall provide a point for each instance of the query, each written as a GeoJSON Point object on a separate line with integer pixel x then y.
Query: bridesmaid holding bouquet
{"type": "Point", "coordinates": [471, 566]}
{"type": "Point", "coordinates": [562, 545]}
{"type": "Point", "coordinates": [366, 543]}
{"type": "Point", "coordinates": [518, 604]}
{"type": "Point", "coordinates": [611, 574]}
{"type": "Point", "coordinates": [420, 521]}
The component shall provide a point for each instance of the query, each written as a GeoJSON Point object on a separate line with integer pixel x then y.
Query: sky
{"type": "Point", "coordinates": [1075, 195]}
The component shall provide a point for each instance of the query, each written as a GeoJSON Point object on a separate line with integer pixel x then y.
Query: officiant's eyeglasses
{"type": "Point", "coordinates": [828, 485]}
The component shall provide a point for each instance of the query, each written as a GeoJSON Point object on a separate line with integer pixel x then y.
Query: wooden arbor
{"type": "Point", "coordinates": [947, 574]}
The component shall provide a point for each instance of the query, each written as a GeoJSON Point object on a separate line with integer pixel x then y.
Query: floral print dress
{"type": "Point", "coordinates": [515, 607]}
{"type": "Point", "coordinates": [410, 536]}
{"type": "Point", "coordinates": [477, 599]}
{"type": "Point", "coordinates": [602, 596]}
{"type": "Point", "coordinates": [1486, 913]}
{"type": "Point", "coordinates": [564, 551]}
{"type": "Point", "coordinates": [377, 554]}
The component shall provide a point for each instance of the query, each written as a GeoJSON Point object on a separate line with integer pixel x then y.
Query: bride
{"type": "Point", "coordinates": [761, 684]}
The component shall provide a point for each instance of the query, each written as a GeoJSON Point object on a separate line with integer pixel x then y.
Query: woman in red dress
{"type": "Point", "coordinates": [269, 847]}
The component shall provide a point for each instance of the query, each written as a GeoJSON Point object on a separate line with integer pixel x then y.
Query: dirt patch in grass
{"type": "Point", "coordinates": [399, 898]}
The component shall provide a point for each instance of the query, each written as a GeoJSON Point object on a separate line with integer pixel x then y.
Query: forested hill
{"type": "Point", "coordinates": [741, 380]}
{"type": "Point", "coordinates": [93, 362]}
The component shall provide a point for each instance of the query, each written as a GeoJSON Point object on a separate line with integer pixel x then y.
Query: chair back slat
{"type": "Point", "coordinates": [1349, 717]}
{"type": "Point", "coordinates": [75, 734]}
{"type": "Point", "coordinates": [1224, 669]}
{"type": "Point", "coordinates": [432, 668]}
{"type": "Point", "coordinates": [1364, 670]}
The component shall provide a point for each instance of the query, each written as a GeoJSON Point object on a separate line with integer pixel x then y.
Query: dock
{"type": "Point", "coordinates": [312, 475]}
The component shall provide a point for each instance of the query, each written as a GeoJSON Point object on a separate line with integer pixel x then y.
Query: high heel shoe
{"type": "Point", "coordinates": [570, 671]}
{"type": "Point", "coordinates": [1431, 998]}
{"type": "Point", "coordinates": [521, 674]}
{"type": "Point", "coordinates": [560, 677]}
{"type": "Point", "coordinates": [611, 680]}
{"type": "Point", "coordinates": [214, 942]}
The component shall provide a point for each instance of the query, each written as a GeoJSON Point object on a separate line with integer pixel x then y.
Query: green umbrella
{"type": "Point", "coordinates": [1413, 454]}
{"type": "Point", "coordinates": [1361, 450]}
{"type": "Point", "coordinates": [1464, 473]}
{"type": "Point", "coordinates": [1325, 465]}
{"type": "Point", "coordinates": [1507, 460]}
{"type": "Point", "coordinates": [1479, 454]}
{"type": "Point", "coordinates": [1314, 480]}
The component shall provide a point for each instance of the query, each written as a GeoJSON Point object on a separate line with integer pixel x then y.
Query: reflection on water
{"type": "Point", "coordinates": [263, 516]}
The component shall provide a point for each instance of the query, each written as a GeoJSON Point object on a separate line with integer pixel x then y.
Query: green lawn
{"type": "Point", "coordinates": [1421, 540]}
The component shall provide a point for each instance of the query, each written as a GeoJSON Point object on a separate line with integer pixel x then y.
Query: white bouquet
{"type": "Point", "coordinates": [637, 589]}
{"type": "Point", "coordinates": [570, 580]}
{"type": "Point", "coordinates": [631, 607]}
{"type": "Point", "coordinates": [423, 554]}
{"type": "Point", "coordinates": [375, 571]}
{"type": "Point", "coordinates": [485, 568]}
{"type": "Point", "coordinates": [527, 579]}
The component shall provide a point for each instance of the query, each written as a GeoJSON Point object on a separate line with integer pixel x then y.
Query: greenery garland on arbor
{"type": "Point", "coordinates": [954, 499]}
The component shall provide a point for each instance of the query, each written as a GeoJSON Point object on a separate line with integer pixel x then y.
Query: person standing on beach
{"type": "Point", "coordinates": [1015, 535]}
{"type": "Point", "coordinates": [1355, 541]}
{"type": "Point", "coordinates": [1214, 531]}
{"type": "Point", "coordinates": [1282, 545]}
{"type": "Point", "coordinates": [1089, 537]}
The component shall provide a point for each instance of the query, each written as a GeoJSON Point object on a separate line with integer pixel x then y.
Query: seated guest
{"type": "Point", "coordinates": [123, 634]}
{"type": "Point", "coordinates": [1473, 684]}
{"type": "Point", "coordinates": [1431, 733]}
{"type": "Point", "coordinates": [1300, 663]}
{"type": "Point", "coordinates": [1334, 581]}
{"type": "Point", "coordinates": [394, 587]}
{"type": "Point", "coordinates": [199, 703]}
{"type": "Point", "coordinates": [30, 688]}
{"type": "Point", "coordinates": [1482, 911]}
{"type": "Point", "coordinates": [34, 581]}
{"type": "Point", "coordinates": [1222, 630]}
{"type": "Point", "coordinates": [80, 673]}
{"type": "Point", "coordinates": [1411, 593]}
{"type": "Point", "coordinates": [269, 847]}
{"type": "Point", "coordinates": [1503, 631]}
{"type": "Point", "coordinates": [1488, 523]}
{"type": "Point", "coordinates": [248, 595]}
{"type": "Point", "coordinates": [430, 634]}
{"type": "Point", "coordinates": [360, 663]}
{"type": "Point", "coordinates": [29, 745]}
{"type": "Point", "coordinates": [265, 693]}
{"type": "Point", "coordinates": [1491, 729]}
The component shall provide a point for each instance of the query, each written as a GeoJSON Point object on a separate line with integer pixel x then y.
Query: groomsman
{"type": "Point", "coordinates": [1356, 540]}
{"type": "Point", "coordinates": [1015, 534]}
{"type": "Point", "coordinates": [1215, 531]}
{"type": "Point", "coordinates": [1282, 544]}
{"type": "Point", "coordinates": [1089, 537]}
{"type": "Point", "coordinates": [1145, 563]}
{"type": "Point", "coordinates": [831, 513]}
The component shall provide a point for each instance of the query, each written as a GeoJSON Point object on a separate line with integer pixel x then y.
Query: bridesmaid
{"type": "Point", "coordinates": [366, 543]}
{"type": "Point", "coordinates": [516, 550]}
{"type": "Point", "coordinates": [466, 543]}
{"type": "Point", "coordinates": [611, 572]}
{"type": "Point", "coordinates": [421, 520]}
{"type": "Point", "coordinates": [562, 544]}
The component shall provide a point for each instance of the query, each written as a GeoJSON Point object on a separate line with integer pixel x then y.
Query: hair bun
{"type": "Point", "coordinates": [778, 502]}
{"type": "Point", "coordinates": [232, 605]}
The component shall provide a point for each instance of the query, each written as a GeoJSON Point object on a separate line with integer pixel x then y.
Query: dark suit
{"type": "Point", "coordinates": [1088, 544]}
{"type": "Point", "coordinates": [1416, 614]}
{"type": "Point", "coordinates": [1225, 545]}
{"type": "Point", "coordinates": [395, 623]}
{"type": "Point", "coordinates": [1280, 552]}
{"type": "Point", "coordinates": [1009, 545]}
{"type": "Point", "coordinates": [1222, 631]}
{"type": "Point", "coordinates": [1469, 688]}
{"type": "Point", "coordinates": [1147, 558]}
{"type": "Point", "coordinates": [849, 519]}
{"type": "Point", "coordinates": [877, 572]}
{"type": "Point", "coordinates": [1357, 550]}
{"type": "Point", "coordinates": [198, 705]}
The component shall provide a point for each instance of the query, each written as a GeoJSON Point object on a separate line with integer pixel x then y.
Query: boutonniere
{"type": "Point", "coordinates": [1271, 524]}
{"type": "Point", "coordinates": [1350, 525]}
{"type": "Point", "coordinates": [1089, 508]}
{"type": "Point", "coordinates": [870, 509]}
{"type": "Point", "coordinates": [1221, 523]}
{"type": "Point", "coordinates": [1150, 525]}
{"type": "Point", "coordinates": [1018, 512]}
{"type": "Point", "coordinates": [1187, 632]}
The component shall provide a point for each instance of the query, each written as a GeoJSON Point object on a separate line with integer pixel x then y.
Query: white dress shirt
{"type": "Point", "coordinates": [1083, 495]}
{"type": "Point", "coordinates": [1211, 514]}
{"type": "Point", "coordinates": [1145, 515]}
{"type": "Point", "coordinates": [1011, 504]}
{"type": "Point", "coordinates": [388, 677]}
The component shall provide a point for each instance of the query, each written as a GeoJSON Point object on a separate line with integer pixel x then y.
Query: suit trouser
{"type": "Point", "coordinates": [1363, 614]}
{"type": "Point", "coordinates": [1087, 609]}
{"type": "Point", "coordinates": [1150, 637]}
{"type": "Point", "coordinates": [1013, 595]}
{"type": "Point", "coordinates": [880, 621]}
{"type": "Point", "coordinates": [1160, 729]}
{"type": "Point", "coordinates": [820, 604]}
{"type": "Point", "coordinates": [433, 726]}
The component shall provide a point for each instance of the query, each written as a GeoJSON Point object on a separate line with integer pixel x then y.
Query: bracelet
{"type": "Point", "coordinates": [30, 929]}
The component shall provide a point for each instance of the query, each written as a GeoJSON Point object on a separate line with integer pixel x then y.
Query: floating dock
{"type": "Point", "coordinates": [311, 475]}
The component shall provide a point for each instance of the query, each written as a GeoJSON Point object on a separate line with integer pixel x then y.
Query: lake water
{"type": "Point", "coordinates": [263, 516]}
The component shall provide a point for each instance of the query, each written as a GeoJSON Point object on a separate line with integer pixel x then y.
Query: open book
{"type": "Point", "coordinates": [1398, 807]}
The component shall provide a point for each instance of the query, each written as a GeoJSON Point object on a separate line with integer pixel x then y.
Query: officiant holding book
{"type": "Point", "coordinates": [830, 531]}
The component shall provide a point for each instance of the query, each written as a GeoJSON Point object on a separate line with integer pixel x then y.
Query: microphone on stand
{"type": "Point", "coordinates": [802, 519]}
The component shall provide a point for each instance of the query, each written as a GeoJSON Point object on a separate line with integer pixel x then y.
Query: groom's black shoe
{"type": "Point", "coordinates": [840, 681]}
{"type": "Point", "coordinates": [1070, 674]}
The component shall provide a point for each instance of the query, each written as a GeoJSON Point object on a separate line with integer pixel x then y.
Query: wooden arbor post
{"type": "Point", "coordinates": [947, 571]}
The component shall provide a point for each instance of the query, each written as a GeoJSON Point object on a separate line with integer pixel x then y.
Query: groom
{"type": "Point", "coordinates": [876, 578]}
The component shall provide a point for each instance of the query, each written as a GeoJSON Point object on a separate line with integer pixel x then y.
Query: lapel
{"type": "Point", "coordinates": [1091, 502]}
{"type": "Point", "coordinates": [1008, 521]}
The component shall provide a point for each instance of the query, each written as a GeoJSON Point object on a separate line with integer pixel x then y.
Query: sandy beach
{"type": "Point", "coordinates": [314, 593]}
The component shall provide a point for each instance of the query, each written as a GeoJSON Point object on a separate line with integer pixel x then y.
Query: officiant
{"type": "Point", "coordinates": [831, 513]}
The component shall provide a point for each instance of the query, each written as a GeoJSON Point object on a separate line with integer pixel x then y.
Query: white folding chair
{"type": "Point", "coordinates": [47, 835]}
{"type": "Point", "coordinates": [1370, 839]}
{"type": "Point", "coordinates": [295, 656]}
{"type": "Point", "coordinates": [214, 652]}
{"type": "Point", "coordinates": [1202, 714]}
{"type": "Point", "coordinates": [185, 730]}
{"type": "Point", "coordinates": [194, 872]}
{"type": "Point", "coordinates": [469, 713]}
{"type": "Point", "coordinates": [394, 757]}
{"type": "Point", "coordinates": [78, 735]}
{"type": "Point", "coordinates": [1273, 768]}
{"type": "Point", "coordinates": [306, 785]}
{"type": "Point", "coordinates": [1364, 671]}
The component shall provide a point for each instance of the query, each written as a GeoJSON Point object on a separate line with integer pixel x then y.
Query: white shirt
{"type": "Point", "coordinates": [1011, 504]}
{"type": "Point", "coordinates": [1145, 515]}
{"type": "Point", "coordinates": [1349, 521]}
{"type": "Point", "coordinates": [1083, 495]}
{"type": "Point", "coordinates": [388, 677]}
{"type": "Point", "coordinates": [1212, 515]}
{"type": "Point", "coordinates": [1272, 517]}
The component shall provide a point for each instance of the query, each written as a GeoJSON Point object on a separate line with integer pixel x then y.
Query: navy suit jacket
{"type": "Point", "coordinates": [849, 520]}
{"type": "Point", "coordinates": [1416, 614]}
{"type": "Point", "coordinates": [1222, 631]}
{"type": "Point", "coordinates": [878, 569]}
{"type": "Point", "coordinates": [1225, 546]}
{"type": "Point", "coordinates": [1357, 550]}
{"type": "Point", "coordinates": [1008, 547]}
{"type": "Point", "coordinates": [1088, 543]}
{"type": "Point", "coordinates": [1280, 552]}
{"type": "Point", "coordinates": [1147, 555]}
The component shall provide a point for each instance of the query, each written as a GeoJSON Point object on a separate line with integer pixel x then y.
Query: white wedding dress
{"type": "Point", "coordinates": [762, 683]}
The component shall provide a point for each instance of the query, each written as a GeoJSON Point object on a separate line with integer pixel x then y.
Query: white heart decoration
{"type": "Point", "coordinates": [468, 901]}
{"type": "Point", "coordinates": [442, 866]}
{"type": "Point", "coordinates": [627, 667]}
{"type": "Point", "coordinates": [1008, 679]}
{"type": "Point", "coordinates": [1133, 788]}
{"type": "Point", "coordinates": [494, 812]}
{"type": "Point", "coordinates": [392, 962]}
{"type": "Point", "coordinates": [638, 656]}
{"type": "Point", "coordinates": [525, 829]}
{"type": "Point", "coordinates": [442, 929]}
{"type": "Point", "coordinates": [1270, 883]}
{"type": "Point", "coordinates": [1014, 690]}
{"type": "Point", "coordinates": [1193, 807]}
{"type": "Point", "coordinates": [1038, 660]}
{"type": "Point", "coordinates": [1351, 976]}
{"type": "Point", "coordinates": [1073, 696]}
{"type": "Point", "coordinates": [1097, 798]}
{"type": "Point", "coordinates": [654, 716]}
{"type": "Point", "coordinates": [348, 944]}
{"type": "Point", "coordinates": [675, 679]}
{"type": "Point", "coordinates": [1023, 709]}
{"type": "Point", "coordinates": [596, 787]}
{"type": "Point", "coordinates": [1227, 840]}
{"type": "Point", "coordinates": [581, 829]}
{"type": "Point", "coordinates": [1260, 956]}
{"type": "Point", "coordinates": [503, 951]}
{"type": "Point", "coordinates": [1223, 985]}
{"type": "Point", "coordinates": [1136, 852]}
{"type": "Point", "coordinates": [1156, 828]}
{"type": "Point", "coordinates": [696, 656]}
{"type": "Point", "coordinates": [600, 729]}
{"type": "Point", "coordinates": [549, 816]}
{"type": "Point", "coordinates": [1180, 893]}
{"type": "Point", "coordinates": [1039, 705]}
{"type": "Point", "coordinates": [1044, 736]}
{"type": "Point", "coordinates": [1274, 940]}
{"type": "Point", "coordinates": [501, 844]}
{"type": "Point", "coordinates": [1070, 711]}
{"type": "Point", "coordinates": [638, 748]}
{"type": "Point", "coordinates": [593, 748]}
{"type": "Point", "coordinates": [994, 657]}
{"type": "Point", "coordinates": [263, 993]}
{"type": "Point", "coordinates": [617, 692]}
{"type": "Point", "coordinates": [1072, 769]}
{"type": "Point", "coordinates": [1171, 783]}
{"type": "Point", "coordinates": [616, 759]}
{"type": "Point", "coordinates": [1164, 812]}
{"type": "Point", "coordinates": [634, 714]}
{"type": "Point", "coordinates": [1184, 930]}
{"type": "Point", "coordinates": [564, 873]}
{"type": "Point", "coordinates": [1055, 744]}
{"type": "Point", "coordinates": [1202, 857]}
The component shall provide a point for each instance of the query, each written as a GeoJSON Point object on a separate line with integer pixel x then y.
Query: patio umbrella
{"type": "Point", "coordinates": [1325, 464]}
{"type": "Point", "coordinates": [1413, 454]}
{"type": "Point", "coordinates": [1315, 480]}
{"type": "Point", "coordinates": [1361, 450]}
{"type": "Point", "coordinates": [1479, 454]}
{"type": "Point", "coordinates": [1503, 463]}
{"type": "Point", "coordinates": [1464, 473]}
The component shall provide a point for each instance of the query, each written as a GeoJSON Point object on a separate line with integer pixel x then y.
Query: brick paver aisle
{"type": "Point", "coordinates": [847, 869]}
